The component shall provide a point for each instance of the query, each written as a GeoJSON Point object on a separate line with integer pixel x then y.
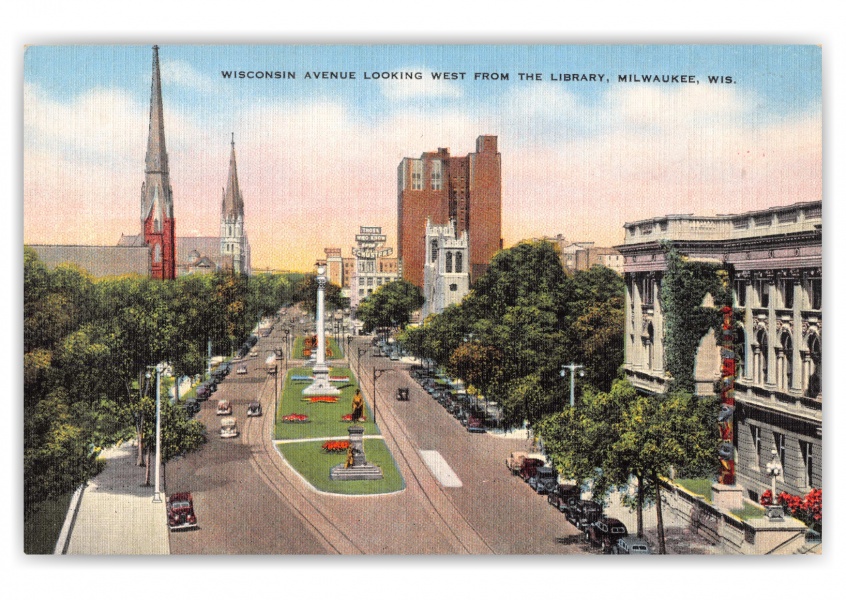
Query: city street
{"type": "Point", "coordinates": [248, 500]}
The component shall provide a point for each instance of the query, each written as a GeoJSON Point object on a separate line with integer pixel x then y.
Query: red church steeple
{"type": "Point", "coordinates": [156, 195]}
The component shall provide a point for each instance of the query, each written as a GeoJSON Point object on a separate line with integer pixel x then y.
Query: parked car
{"type": "Point", "coordinates": [192, 407]}
{"type": "Point", "coordinates": [253, 353]}
{"type": "Point", "coordinates": [203, 392]}
{"type": "Point", "coordinates": [402, 394]}
{"type": "Point", "coordinates": [583, 513]}
{"type": "Point", "coordinates": [395, 355]}
{"type": "Point", "coordinates": [544, 480]}
{"type": "Point", "coordinates": [180, 511]}
{"type": "Point", "coordinates": [514, 462]}
{"type": "Point", "coordinates": [530, 467]}
{"type": "Point", "coordinates": [564, 495]}
{"type": "Point", "coordinates": [254, 409]}
{"type": "Point", "coordinates": [242, 369]}
{"type": "Point", "coordinates": [224, 407]}
{"type": "Point", "coordinates": [475, 425]}
{"type": "Point", "coordinates": [631, 545]}
{"type": "Point", "coordinates": [605, 532]}
{"type": "Point", "coordinates": [228, 427]}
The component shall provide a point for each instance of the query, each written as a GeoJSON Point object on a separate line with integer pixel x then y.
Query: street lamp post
{"type": "Point", "coordinates": [361, 352]}
{"type": "Point", "coordinates": [377, 373]}
{"type": "Point", "coordinates": [572, 367]}
{"type": "Point", "coordinates": [287, 347]}
{"type": "Point", "coordinates": [157, 493]}
{"type": "Point", "coordinates": [775, 512]}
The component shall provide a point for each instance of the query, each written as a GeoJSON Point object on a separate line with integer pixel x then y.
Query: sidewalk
{"type": "Point", "coordinates": [116, 514]}
{"type": "Point", "coordinates": [678, 538]}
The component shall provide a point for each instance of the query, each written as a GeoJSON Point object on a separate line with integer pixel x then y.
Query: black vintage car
{"type": "Point", "coordinates": [544, 480]}
{"type": "Point", "coordinates": [605, 532]}
{"type": "Point", "coordinates": [564, 496]}
{"type": "Point", "coordinates": [402, 394]}
{"type": "Point", "coordinates": [583, 513]}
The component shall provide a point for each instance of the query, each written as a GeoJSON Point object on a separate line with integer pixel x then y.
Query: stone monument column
{"type": "Point", "coordinates": [321, 386]}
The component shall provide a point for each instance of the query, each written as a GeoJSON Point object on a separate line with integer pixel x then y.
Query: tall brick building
{"type": "Point", "coordinates": [444, 188]}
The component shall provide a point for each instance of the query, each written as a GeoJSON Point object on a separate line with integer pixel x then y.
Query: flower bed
{"type": "Point", "coordinates": [295, 418]}
{"type": "Point", "coordinates": [336, 446]}
{"type": "Point", "coordinates": [330, 399]}
{"type": "Point", "coordinates": [807, 509]}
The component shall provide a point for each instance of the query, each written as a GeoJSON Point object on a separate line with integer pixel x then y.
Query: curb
{"type": "Point", "coordinates": [70, 520]}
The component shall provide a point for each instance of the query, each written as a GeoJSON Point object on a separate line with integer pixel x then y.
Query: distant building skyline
{"type": "Point", "coordinates": [582, 157]}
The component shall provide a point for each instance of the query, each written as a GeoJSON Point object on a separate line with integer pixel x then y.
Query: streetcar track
{"type": "Point", "coordinates": [274, 484]}
{"type": "Point", "coordinates": [431, 501]}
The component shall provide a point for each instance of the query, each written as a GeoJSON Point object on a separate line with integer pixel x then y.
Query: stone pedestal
{"type": "Point", "coordinates": [727, 497]}
{"type": "Point", "coordinates": [360, 468]}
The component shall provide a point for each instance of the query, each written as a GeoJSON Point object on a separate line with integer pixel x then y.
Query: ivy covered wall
{"type": "Point", "coordinates": [684, 286]}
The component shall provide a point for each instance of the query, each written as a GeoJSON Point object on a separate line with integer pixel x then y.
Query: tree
{"type": "Point", "coordinates": [305, 292]}
{"type": "Point", "coordinates": [390, 305]}
{"type": "Point", "coordinates": [179, 434]}
{"type": "Point", "coordinates": [476, 364]}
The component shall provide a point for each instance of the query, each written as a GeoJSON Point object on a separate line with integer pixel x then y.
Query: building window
{"type": "Point", "coordinates": [786, 362]}
{"type": "Point", "coordinates": [780, 449]}
{"type": "Point", "coordinates": [449, 262]}
{"type": "Point", "coordinates": [761, 354]}
{"type": "Point", "coordinates": [417, 175]}
{"type": "Point", "coordinates": [369, 281]}
{"type": "Point", "coordinates": [740, 293]}
{"type": "Point", "coordinates": [437, 175]}
{"type": "Point", "coordinates": [361, 292]}
{"type": "Point", "coordinates": [762, 290]}
{"type": "Point", "coordinates": [157, 254]}
{"type": "Point", "coordinates": [361, 281]}
{"type": "Point", "coordinates": [755, 432]}
{"type": "Point", "coordinates": [814, 366]}
{"type": "Point", "coordinates": [816, 293]}
{"type": "Point", "coordinates": [647, 295]}
{"type": "Point", "coordinates": [808, 460]}
{"type": "Point", "coordinates": [434, 253]}
{"type": "Point", "coordinates": [453, 287]}
{"type": "Point", "coordinates": [787, 293]}
{"type": "Point", "coordinates": [459, 262]}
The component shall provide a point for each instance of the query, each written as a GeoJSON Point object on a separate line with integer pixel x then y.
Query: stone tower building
{"type": "Point", "coordinates": [157, 224]}
{"type": "Point", "coordinates": [234, 246]}
{"type": "Point", "coordinates": [446, 274]}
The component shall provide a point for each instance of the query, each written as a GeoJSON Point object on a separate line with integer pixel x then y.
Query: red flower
{"type": "Point", "coordinates": [336, 445]}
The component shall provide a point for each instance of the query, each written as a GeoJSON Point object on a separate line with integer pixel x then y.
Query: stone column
{"type": "Point", "coordinates": [321, 386]}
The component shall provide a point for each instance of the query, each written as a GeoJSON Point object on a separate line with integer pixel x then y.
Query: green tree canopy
{"type": "Point", "coordinates": [390, 305]}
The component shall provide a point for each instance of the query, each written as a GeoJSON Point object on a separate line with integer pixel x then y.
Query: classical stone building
{"type": "Point", "coordinates": [444, 188]}
{"type": "Point", "coordinates": [446, 274]}
{"type": "Point", "coordinates": [774, 261]}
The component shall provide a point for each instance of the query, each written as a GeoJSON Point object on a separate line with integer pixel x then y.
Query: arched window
{"type": "Point", "coordinates": [459, 262]}
{"type": "Point", "coordinates": [814, 366]}
{"type": "Point", "coordinates": [786, 362]}
{"type": "Point", "coordinates": [739, 352]}
{"type": "Point", "coordinates": [434, 251]}
{"type": "Point", "coordinates": [449, 262]}
{"type": "Point", "coordinates": [761, 354]}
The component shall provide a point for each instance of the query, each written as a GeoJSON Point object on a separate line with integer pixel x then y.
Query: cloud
{"type": "Point", "coordinates": [181, 73]}
{"type": "Point", "coordinates": [312, 172]}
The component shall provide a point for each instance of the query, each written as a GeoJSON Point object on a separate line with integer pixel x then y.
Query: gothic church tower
{"type": "Point", "coordinates": [234, 247]}
{"type": "Point", "coordinates": [156, 195]}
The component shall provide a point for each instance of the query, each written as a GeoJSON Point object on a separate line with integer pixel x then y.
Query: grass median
{"type": "Point", "coordinates": [325, 420]}
{"type": "Point", "coordinates": [313, 463]}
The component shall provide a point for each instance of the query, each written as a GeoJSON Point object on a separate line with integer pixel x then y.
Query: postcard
{"type": "Point", "coordinates": [422, 299]}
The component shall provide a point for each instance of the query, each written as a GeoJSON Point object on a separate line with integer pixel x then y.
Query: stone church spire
{"type": "Point", "coordinates": [234, 245]}
{"type": "Point", "coordinates": [233, 204]}
{"type": "Point", "coordinates": [156, 194]}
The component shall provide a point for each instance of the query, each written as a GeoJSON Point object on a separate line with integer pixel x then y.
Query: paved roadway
{"type": "Point", "coordinates": [248, 501]}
